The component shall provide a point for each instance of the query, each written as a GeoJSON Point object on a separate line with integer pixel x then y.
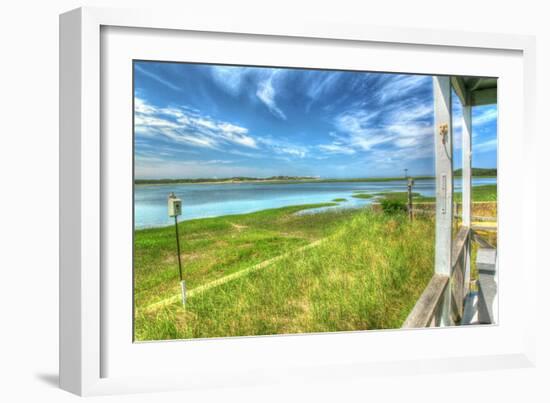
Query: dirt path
{"type": "Point", "coordinates": [238, 227]}
{"type": "Point", "coordinates": [230, 277]}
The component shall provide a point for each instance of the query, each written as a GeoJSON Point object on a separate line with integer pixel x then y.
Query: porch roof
{"type": "Point", "coordinates": [474, 91]}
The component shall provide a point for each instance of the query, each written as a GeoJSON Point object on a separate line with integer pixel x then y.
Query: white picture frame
{"type": "Point", "coordinates": [87, 348]}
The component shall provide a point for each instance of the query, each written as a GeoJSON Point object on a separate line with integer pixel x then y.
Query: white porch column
{"type": "Point", "coordinates": [467, 185]}
{"type": "Point", "coordinates": [466, 165]}
{"type": "Point", "coordinates": [443, 141]}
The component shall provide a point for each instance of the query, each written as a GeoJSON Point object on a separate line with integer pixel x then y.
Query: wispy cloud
{"type": "Point", "coordinates": [266, 94]}
{"type": "Point", "coordinates": [160, 168]}
{"type": "Point", "coordinates": [282, 146]}
{"type": "Point", "coordinates": [392, 127]}
{"type": "Point", "coordinates": [157, 78]}
{"type": "Point", "coordinates": [290, 120]}
{"type": "Point", "coordinates": [485, 116]}
{"type": "Point", "coordinates": [320, 85]}
{"type": "Point", "coordinates": [182, 125]}
{"type": "Point", "coordinates": [236, 80]}
{"type": "Point", "coordinates": [186, 126]}
{"type": "Point", "coordinates": [485, 146]}
{"type": "Point", "coordinates": [230, 78]}
{"type": "Point", "coordinates": [399, 86]}
{"type": "Point", "coordinates": [336, 148]}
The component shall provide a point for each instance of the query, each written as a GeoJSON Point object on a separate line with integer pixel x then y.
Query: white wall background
{"type": "Point", "coordinates": [29, 197]}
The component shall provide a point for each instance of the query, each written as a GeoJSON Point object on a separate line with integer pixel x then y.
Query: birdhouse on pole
{"type": "Point", "coordinates": [174, 205]}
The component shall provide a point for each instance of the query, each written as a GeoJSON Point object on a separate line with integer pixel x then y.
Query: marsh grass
{"type": "Point", "coordinates": [362, 195]}
{"type": "Point", "coordinates": [367, 275]}
{"type": "Point", "coordinates": [215, 247]}
{"type": "Point", "coordinates": [482, 193]}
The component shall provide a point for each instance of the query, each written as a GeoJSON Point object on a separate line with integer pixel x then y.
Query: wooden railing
{"type": "Point", "coordinates": [430, 307]}
{"type": "Point", "coordinates": [427, 311]}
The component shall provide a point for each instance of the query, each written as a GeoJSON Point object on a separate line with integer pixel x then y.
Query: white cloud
{"type": "Point", "coordinates": [218, 162]}
{"type": "Point", "coordinates": [386, 129]}
{"type": "Point", "coordinates": [230, 128]}
{"type": "Point", "coordinates": [266, 94]}
{"type": "Point", "coordinates": [399, 86]}
{"type": "Point", "coordinates": [486, 116]}
{"type": "Point", "coordinates": [195, 169]}
{"type": "Point", "coordinates": [157, 78]}
{"type": "Point", "coordinates": [188, 127]}
{"type": "Point", "coordinates": [283, 147]}
{"type": "Point", "coordinates": [408, 112]}
{"type": "Point", "coordinates": [150, 121]}
{"type": "Point", "coordinates": [489, 145]}
{"type": "Point", "coordinates": [358, 132]}
{"type": "Point", "coordinates": [209, 124]}
{"type": "Point", "coordinates": [236, 80]}
{"type": "Point", "coordinates": [321, 85]}
{"type": "Point", "coordinates": [335, 148]}
{"type": "Point", "coordinates": [229, 78]}
{"type": "Point", "coordinates": [355, 121]}
{"type": "Point", "coordinates": [293, 151]}
{"type": "Point", "coordinates": [241, 139]}
{"type": "Point", "coordinates": [174, 112]}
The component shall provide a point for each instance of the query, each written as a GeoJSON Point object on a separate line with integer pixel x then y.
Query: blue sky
{"type": "Point", "coordinates": [207, 121]}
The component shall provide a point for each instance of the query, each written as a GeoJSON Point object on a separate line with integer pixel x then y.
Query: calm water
{"type": "Point", "coordinates": [212, 200]}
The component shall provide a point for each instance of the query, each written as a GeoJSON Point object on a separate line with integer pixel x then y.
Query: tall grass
{"type": "Point", "coordinates": [215, 247]}
{"type": "Point", "coordinates": [368, 274]}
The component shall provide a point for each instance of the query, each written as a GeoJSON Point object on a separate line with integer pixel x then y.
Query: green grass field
{"type": "Point", "coordinates": [215, 247]}
{"type": "Point", "coordinates": [366, 271]}
{"type": "Point", "coordinates": [482, 193]}
{"type": "Point", "coordinates": [366, 275]}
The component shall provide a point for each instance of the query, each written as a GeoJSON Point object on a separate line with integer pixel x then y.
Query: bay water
{"type": "Point", "coordinates": [218, 199]}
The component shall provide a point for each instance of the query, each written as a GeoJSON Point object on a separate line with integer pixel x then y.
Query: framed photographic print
{"type": "Point", "coordinates": [306, 200]}
{"type": "Point", "coordinates": [249, 200]}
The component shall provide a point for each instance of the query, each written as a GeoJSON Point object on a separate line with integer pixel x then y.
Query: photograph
{"type": "Point", "coordinates": [274, 200]}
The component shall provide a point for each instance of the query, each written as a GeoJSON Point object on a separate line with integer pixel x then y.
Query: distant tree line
{"type": "Point", "coordinates": [489, 172]}
{"type": "Point", "coordinates": [232, 179]}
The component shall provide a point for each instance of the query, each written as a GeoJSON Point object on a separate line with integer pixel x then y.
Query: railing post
{"type": "Point", "coordinates": [443, 141]}
{"type": "Point", "coordinates": [467, 185]}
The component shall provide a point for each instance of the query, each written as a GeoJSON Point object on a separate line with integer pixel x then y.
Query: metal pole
{"type": "Point", "coordinates": [409, 197]}
{"type": "Point", "coordinates": [182, 282]}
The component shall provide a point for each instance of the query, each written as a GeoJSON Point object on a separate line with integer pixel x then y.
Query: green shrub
{"type": "Point", "coordinates": [393, 206]}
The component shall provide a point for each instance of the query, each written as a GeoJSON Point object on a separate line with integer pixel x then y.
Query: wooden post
{"type": "Point", "coordinates": [467, 185]}
{"type": "Point", "coordinates": [410, 183]}
{"type": "Point", "coordinates": [443, 141]}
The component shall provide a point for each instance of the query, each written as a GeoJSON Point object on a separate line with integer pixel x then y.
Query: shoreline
{"type": "Point", "coordinates": [161, 182]}
{"type": "Point", "coordinates": [292, 206]}
{"type": "Point", "coordinates": [373, 198]}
